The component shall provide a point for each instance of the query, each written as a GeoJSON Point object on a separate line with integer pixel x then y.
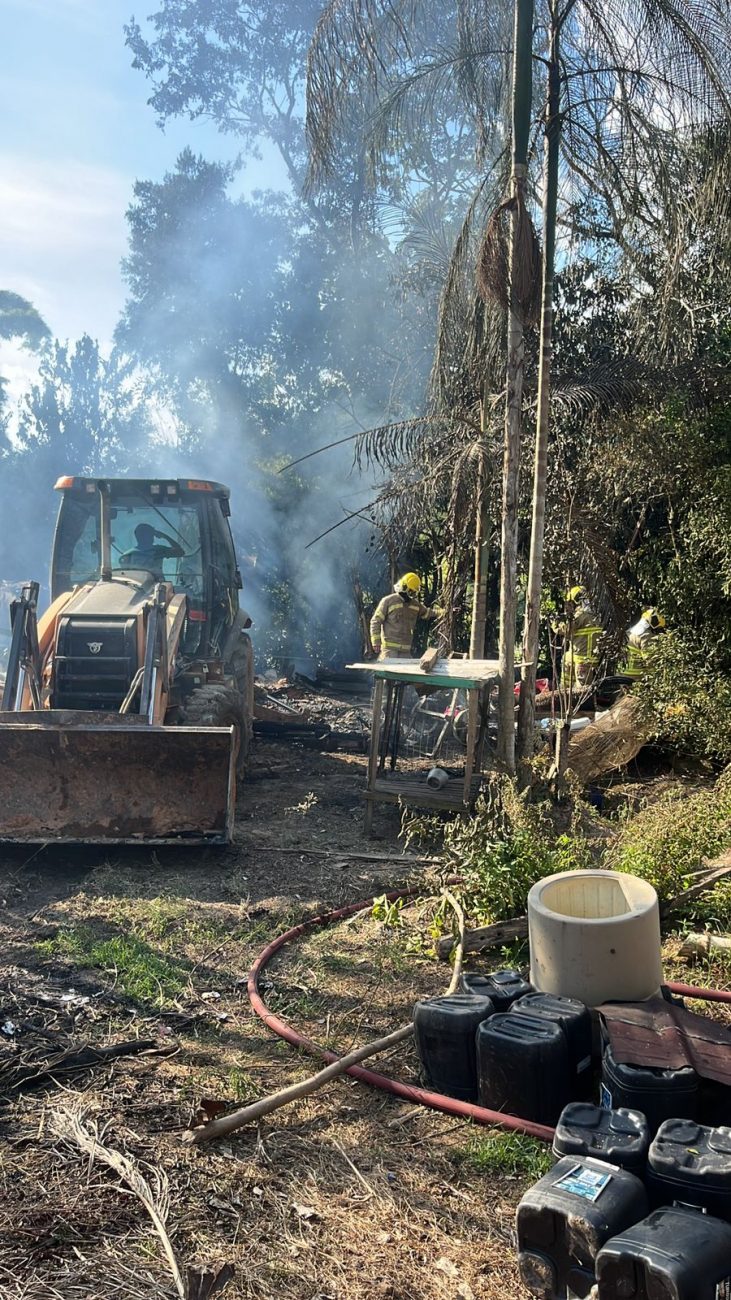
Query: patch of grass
{"type": "Point", "coordinates": [304, 1004]}
{"type": "Point", "coordinates": [225, 1085]}
{"type": "Point", "coordinates": [141, 973]}
{"type": "Point", "coordinates": [241, 1086]}
{"type": "Point", "coordinates": [506, 1155]}
{"type": "Point", "coordinates": [336, 964]}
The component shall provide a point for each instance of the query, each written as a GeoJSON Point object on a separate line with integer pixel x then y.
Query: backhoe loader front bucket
{"type": "Point", "coordinates": [73, 777]}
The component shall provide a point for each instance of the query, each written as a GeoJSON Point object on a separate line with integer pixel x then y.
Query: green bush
{"type": "Point", "coordinates": [667, 841]}
{"type": "Point", "coordinates": [688, 703]}
{"type": "Point", "coordinates": [500, 858]}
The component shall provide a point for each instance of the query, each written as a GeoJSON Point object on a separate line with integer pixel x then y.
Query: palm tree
{"type": "Point", "coordinates": [621, 97]}
{"type": "Point", "coordinates": [681, 68]}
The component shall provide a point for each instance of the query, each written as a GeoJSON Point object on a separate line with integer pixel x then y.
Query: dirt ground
{"type": "Point", "coordinates": [349, 1193]}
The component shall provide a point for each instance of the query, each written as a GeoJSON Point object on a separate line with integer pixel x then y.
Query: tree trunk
{"type": "Point", "coordinates": [531, 630]}
{"type": "Point", "coordinates": [522, 96]}
{"type": "Point", "coordinates": [482, 550]}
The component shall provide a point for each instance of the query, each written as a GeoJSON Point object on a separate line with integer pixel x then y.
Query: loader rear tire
{"type": "Point", "coordinates": [220, 706]}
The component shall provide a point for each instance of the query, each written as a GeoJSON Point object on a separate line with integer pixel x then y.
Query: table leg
{"type": "Point", "coordinates": [473, 704]}
{"type": "Point", "coordinates": [375, 734]}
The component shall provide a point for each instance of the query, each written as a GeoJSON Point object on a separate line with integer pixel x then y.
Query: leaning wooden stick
{"type": "Point", "coordinates": [258, 1109]}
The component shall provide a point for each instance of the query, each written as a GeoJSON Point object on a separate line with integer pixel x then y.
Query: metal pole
{"type": "Point", "coordinates": [106, 534]}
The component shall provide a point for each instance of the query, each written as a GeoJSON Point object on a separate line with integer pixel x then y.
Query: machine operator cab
{"type": "Point", "coordinates": [171, 530]}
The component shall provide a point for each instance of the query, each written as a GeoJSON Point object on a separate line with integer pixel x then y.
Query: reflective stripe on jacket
{"type": "Point", "coordinates": [581, 655]}
{"type": "Point", "coordinates": [639, 638]}
{"type": "Point", "coordinates": [393, 624]}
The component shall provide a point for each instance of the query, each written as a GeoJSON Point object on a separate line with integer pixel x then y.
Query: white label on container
{"type": "Point", "coordinates": [587, 1183]}
{"type": "Point", "coordinates": [605, 1098]}
{"type": "Point", "coordinates": [723, 1288]}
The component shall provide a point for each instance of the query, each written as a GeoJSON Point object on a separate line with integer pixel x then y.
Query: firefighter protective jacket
{"type": "Point", "coordinates": [581, 655]}
{"type": "Point", "coordinates": [392, 626]}
{"type": "Point", "coordinates": [639, 638]}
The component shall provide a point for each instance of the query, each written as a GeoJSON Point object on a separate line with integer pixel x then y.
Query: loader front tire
{"type": "Point", "coordinates": [220, 706]}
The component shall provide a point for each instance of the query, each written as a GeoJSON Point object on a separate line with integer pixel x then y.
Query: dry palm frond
{"type": "Point", "coordinates": [520, 287]}
{"type": "Point", "coordinates": [614, 385]}
{"type": "Point", "coordinates": [154, 1194]}
{"type": "Point", "coordinates": [354, 42]}
{"type": "Point", "coordinates": [391, 445]}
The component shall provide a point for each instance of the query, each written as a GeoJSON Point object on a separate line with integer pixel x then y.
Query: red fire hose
{"type": "Point", "coordinates": [407, 1091]}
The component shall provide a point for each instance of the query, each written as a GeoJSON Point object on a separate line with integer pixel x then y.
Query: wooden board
{"type": "Point", "coordinates": [418, 794]}
{"type": "Point", "coordinates": [446, 672]}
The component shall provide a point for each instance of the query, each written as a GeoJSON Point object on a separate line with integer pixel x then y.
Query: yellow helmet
{"type": "Point", "coordinates": [655, 619]}
{"type": "Point", "coordinates": [409, 585]}
{"type": "Point", "coordinates": [575, 594]}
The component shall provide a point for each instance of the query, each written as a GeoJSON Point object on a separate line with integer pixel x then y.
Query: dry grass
{"type": "Point", "coordinates": [325, 1199]}
{"type": "Point", "coordinates": [346, 1195]}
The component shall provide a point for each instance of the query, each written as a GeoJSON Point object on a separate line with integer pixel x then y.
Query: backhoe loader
{"type": "Point", "coordinates": [127, 706]}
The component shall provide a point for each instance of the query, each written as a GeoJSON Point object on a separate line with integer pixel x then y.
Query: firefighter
{"type": "Point", "coordinates": [581, 631]}
{"type": "Point", "coordinates": [639, 639]}
{"type": "Point", "coordinates": [395, 618]}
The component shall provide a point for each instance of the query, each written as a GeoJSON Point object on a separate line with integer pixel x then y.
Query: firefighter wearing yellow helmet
{"type": "Point", "coordinates": [640, 638]}
{"type": "Point", "coordinates": [581, 631]}
{"type": "Point", "coordinates": [395, 618]}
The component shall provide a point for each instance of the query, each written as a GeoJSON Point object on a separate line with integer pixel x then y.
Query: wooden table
{"type": "Point", "coordinates": [477, 678]}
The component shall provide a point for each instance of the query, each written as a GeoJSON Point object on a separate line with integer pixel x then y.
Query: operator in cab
{"type": "Point", "coordinates": [146, 555]}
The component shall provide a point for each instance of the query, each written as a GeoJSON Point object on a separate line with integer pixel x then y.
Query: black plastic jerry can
{"type": "Point", "coordinates": [658, 1094]}
{"type": "Point", "coordinates": [445, 1029]}
{"type": "Point", "coordinates": [564, 1221]}
{"type": "Point", "coordinates": [575, 1020]}
{"type": "Point", "coordinates": [691, 1165]}
{"type": "Point", "coordinates": [621, 1137]}
{"type": "Point", "coordinates": [524, 1068]}
{"type": "Point", "coordinates": [502, 987]}
{"type": "Point", "coordinates": [673, 1254]}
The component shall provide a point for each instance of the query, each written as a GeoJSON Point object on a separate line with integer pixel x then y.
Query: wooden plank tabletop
{"type": "Point", "coordinates": [446, 672]}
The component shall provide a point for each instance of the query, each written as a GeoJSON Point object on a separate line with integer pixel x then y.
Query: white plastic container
{"type": "Point", "coordinates": [595, 936]}
{"type": "Point", "coordinates": [437, 778]}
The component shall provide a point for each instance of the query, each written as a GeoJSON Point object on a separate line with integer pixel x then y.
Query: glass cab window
{"type": "Point", "coordinates": [146, 539]}
{"type": "Point", "coordinates": [164, 541]}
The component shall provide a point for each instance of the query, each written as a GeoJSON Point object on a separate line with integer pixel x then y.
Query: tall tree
{"type": "Point", "coordinates": [20, 322]}
{"type": "Point", "coordinates": [679, 65]}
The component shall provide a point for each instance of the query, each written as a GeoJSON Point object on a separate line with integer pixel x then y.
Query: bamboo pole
{"type": "Point", "coordinates": [531, 630]}
{"type": "Point", "coordinates": [522, 97]}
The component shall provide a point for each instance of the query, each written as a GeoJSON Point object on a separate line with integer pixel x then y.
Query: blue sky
{"type": "Point", "coordinates": [76, 134]}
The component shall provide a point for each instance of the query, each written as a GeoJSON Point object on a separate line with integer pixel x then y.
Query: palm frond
{"type": "Point", "coordinates": [614, 385]}
{"type": "Point", "coordinates": [390, 445]}
{"type": "Point", "coordinates": [354, 43]}
{"type": "Point", "coordinates": [153, 1192]}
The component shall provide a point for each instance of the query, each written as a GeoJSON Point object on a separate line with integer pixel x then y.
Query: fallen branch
{"type": "Point", "coordinates": [84, 1057]}
{"type": "Point", "coordinates": [699, 886]}
{"type": "Point", "coordinates": [486, 936]}
{"type": "Point", "coordinates": [399, 859]}
{"type": "Point", "coordinates": [156, 1200]}
{"type": "Point", "coordinates": [705, 945]}
{"type": "Point", "coordinates": [296, 1091]}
